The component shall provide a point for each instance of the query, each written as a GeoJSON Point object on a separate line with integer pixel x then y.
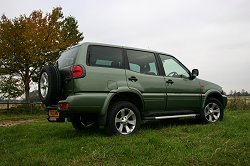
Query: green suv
{"type": "Point", "coordinates": [117, 87]}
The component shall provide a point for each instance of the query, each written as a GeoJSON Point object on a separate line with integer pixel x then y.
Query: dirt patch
{"type": "Point", "coordinates": [9, 123]}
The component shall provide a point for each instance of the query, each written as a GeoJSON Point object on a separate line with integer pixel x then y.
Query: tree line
{"type": "Point", "coordinates": [243, 92]}
{"type": "Point", "coordinates": [29, 42]}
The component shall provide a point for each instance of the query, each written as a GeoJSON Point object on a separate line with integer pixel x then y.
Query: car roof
{"type": "Point", "coordinates": [125, 47]}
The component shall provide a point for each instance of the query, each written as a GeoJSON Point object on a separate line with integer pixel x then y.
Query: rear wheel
{"type": "Point", "coordinates": [212, 112]}
{"type": "Point", "coordinates": [49, 85]}
{"type": "Point", "coordinates": [123, 118]}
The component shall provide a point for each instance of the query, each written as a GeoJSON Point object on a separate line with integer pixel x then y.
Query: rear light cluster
{"type": "Point", "coordinates": [63, 106]}
{"type": "Point", "coordinates": [77, 71]}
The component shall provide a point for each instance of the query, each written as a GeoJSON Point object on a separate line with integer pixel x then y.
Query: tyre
{"type": "Point", "coordinates": [212, 112]}
{"type": "Point", "coordinates": [82, 122]}
{"type": "Point", "coordinates": [123, 118]}
{"type": "Point", "coordinates": [49, 85]}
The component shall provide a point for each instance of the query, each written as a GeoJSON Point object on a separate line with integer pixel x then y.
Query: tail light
{"type": "Point", "coordinates": [63, 106]}
{"type": "Point", "coordinates": [77, 71]}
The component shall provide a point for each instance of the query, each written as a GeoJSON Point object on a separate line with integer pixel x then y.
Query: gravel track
{"type": "Point", "coordinates": [14, 122]}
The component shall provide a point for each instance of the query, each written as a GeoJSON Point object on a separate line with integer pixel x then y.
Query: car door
{"type": "Point", "coordinates": [183, 93]}
{"type": "Point", "coordinates": [143, 76]}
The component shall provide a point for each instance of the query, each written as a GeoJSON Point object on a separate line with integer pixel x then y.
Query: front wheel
{"type": "Point", "coordinates": [212, 112]}
{"type": "Point", "coordinates": [123, 118]}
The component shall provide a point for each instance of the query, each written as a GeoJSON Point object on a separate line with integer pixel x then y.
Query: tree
{"type": "Point", "coordinates": [10, 87]}
{"type": "Point", "coordinates": [243, 92]}
{"type": "Point", "coordinates": [29, 42]}
{"type": "Point", "coordinates": [34, 97]}
{"type": "Point", "coordinates": [231, 93]}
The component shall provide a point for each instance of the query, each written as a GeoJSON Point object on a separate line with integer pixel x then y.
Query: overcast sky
{"type": "Point", "coordinates": [211, 35]}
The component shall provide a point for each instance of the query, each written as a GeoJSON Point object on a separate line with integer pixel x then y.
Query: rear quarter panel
{"type": "Point", "coordinates": [97, 79]}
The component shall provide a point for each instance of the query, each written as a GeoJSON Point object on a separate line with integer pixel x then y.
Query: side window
{"type": "Point", "coordinates": [142, 62]}
{"type": "Point", "coordinates": [172, 67]}
{"type": "Point", "coordinates": [105, 56]}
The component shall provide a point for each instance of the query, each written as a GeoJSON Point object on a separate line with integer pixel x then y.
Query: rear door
{"type": "Point", "coordinates": [183, 93]}
{"type": "Point", "coordinates": [65, 62]}
{"type": "Point", "coordinates": [143, 76]}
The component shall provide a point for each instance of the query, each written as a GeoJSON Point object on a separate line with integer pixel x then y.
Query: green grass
{"type": "Point", "coordinates": [170, 142]}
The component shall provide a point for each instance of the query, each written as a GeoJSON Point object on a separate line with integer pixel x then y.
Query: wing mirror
{"type": "Point", "coordinates": [195, 73]}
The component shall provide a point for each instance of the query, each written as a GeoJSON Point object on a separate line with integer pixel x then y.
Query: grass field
{"type": "Point", "coordinates": [170, 142]}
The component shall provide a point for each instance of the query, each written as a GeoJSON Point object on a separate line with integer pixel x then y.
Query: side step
{"type": "Point", "coordinates": [170, 117]}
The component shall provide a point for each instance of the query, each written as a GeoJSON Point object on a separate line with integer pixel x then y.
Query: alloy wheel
{"type": "Point", "coordinates": [44, 84]}
{"type": "Point", "coordinates": [125, 121]}
{"type": "Point", "coordinates": [212, 112]}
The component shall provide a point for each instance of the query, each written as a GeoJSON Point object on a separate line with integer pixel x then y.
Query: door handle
{"type": "Point", "coordinates": [133, 79]}
{"type": "Point", "coordinates": [169, 81]}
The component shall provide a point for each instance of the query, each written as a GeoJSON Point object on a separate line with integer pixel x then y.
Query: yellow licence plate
{"type": "Point", "coordinates": [53, 113]}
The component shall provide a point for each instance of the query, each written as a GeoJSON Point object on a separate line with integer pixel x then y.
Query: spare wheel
{"type": "Point", "coordinates": [49, 85]}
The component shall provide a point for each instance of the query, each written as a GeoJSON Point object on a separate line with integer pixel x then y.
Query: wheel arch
{"type": "Point", "coordinates": [213, 94]}
{"type": "Point", "coordinates": [129, 96]}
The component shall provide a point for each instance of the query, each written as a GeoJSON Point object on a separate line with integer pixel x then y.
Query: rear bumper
{"type": "Point", "coordinates": [88, 104]}
{"type": "Point", "coordinates": [84, 103]}
{"type": "Point", "coordinates": [63, 114]}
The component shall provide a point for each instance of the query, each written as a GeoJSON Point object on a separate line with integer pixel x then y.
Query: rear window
{"type": "Point", "coordinates": [68, 57]}
{"type": "Point", "coordinates": [105, 56]}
